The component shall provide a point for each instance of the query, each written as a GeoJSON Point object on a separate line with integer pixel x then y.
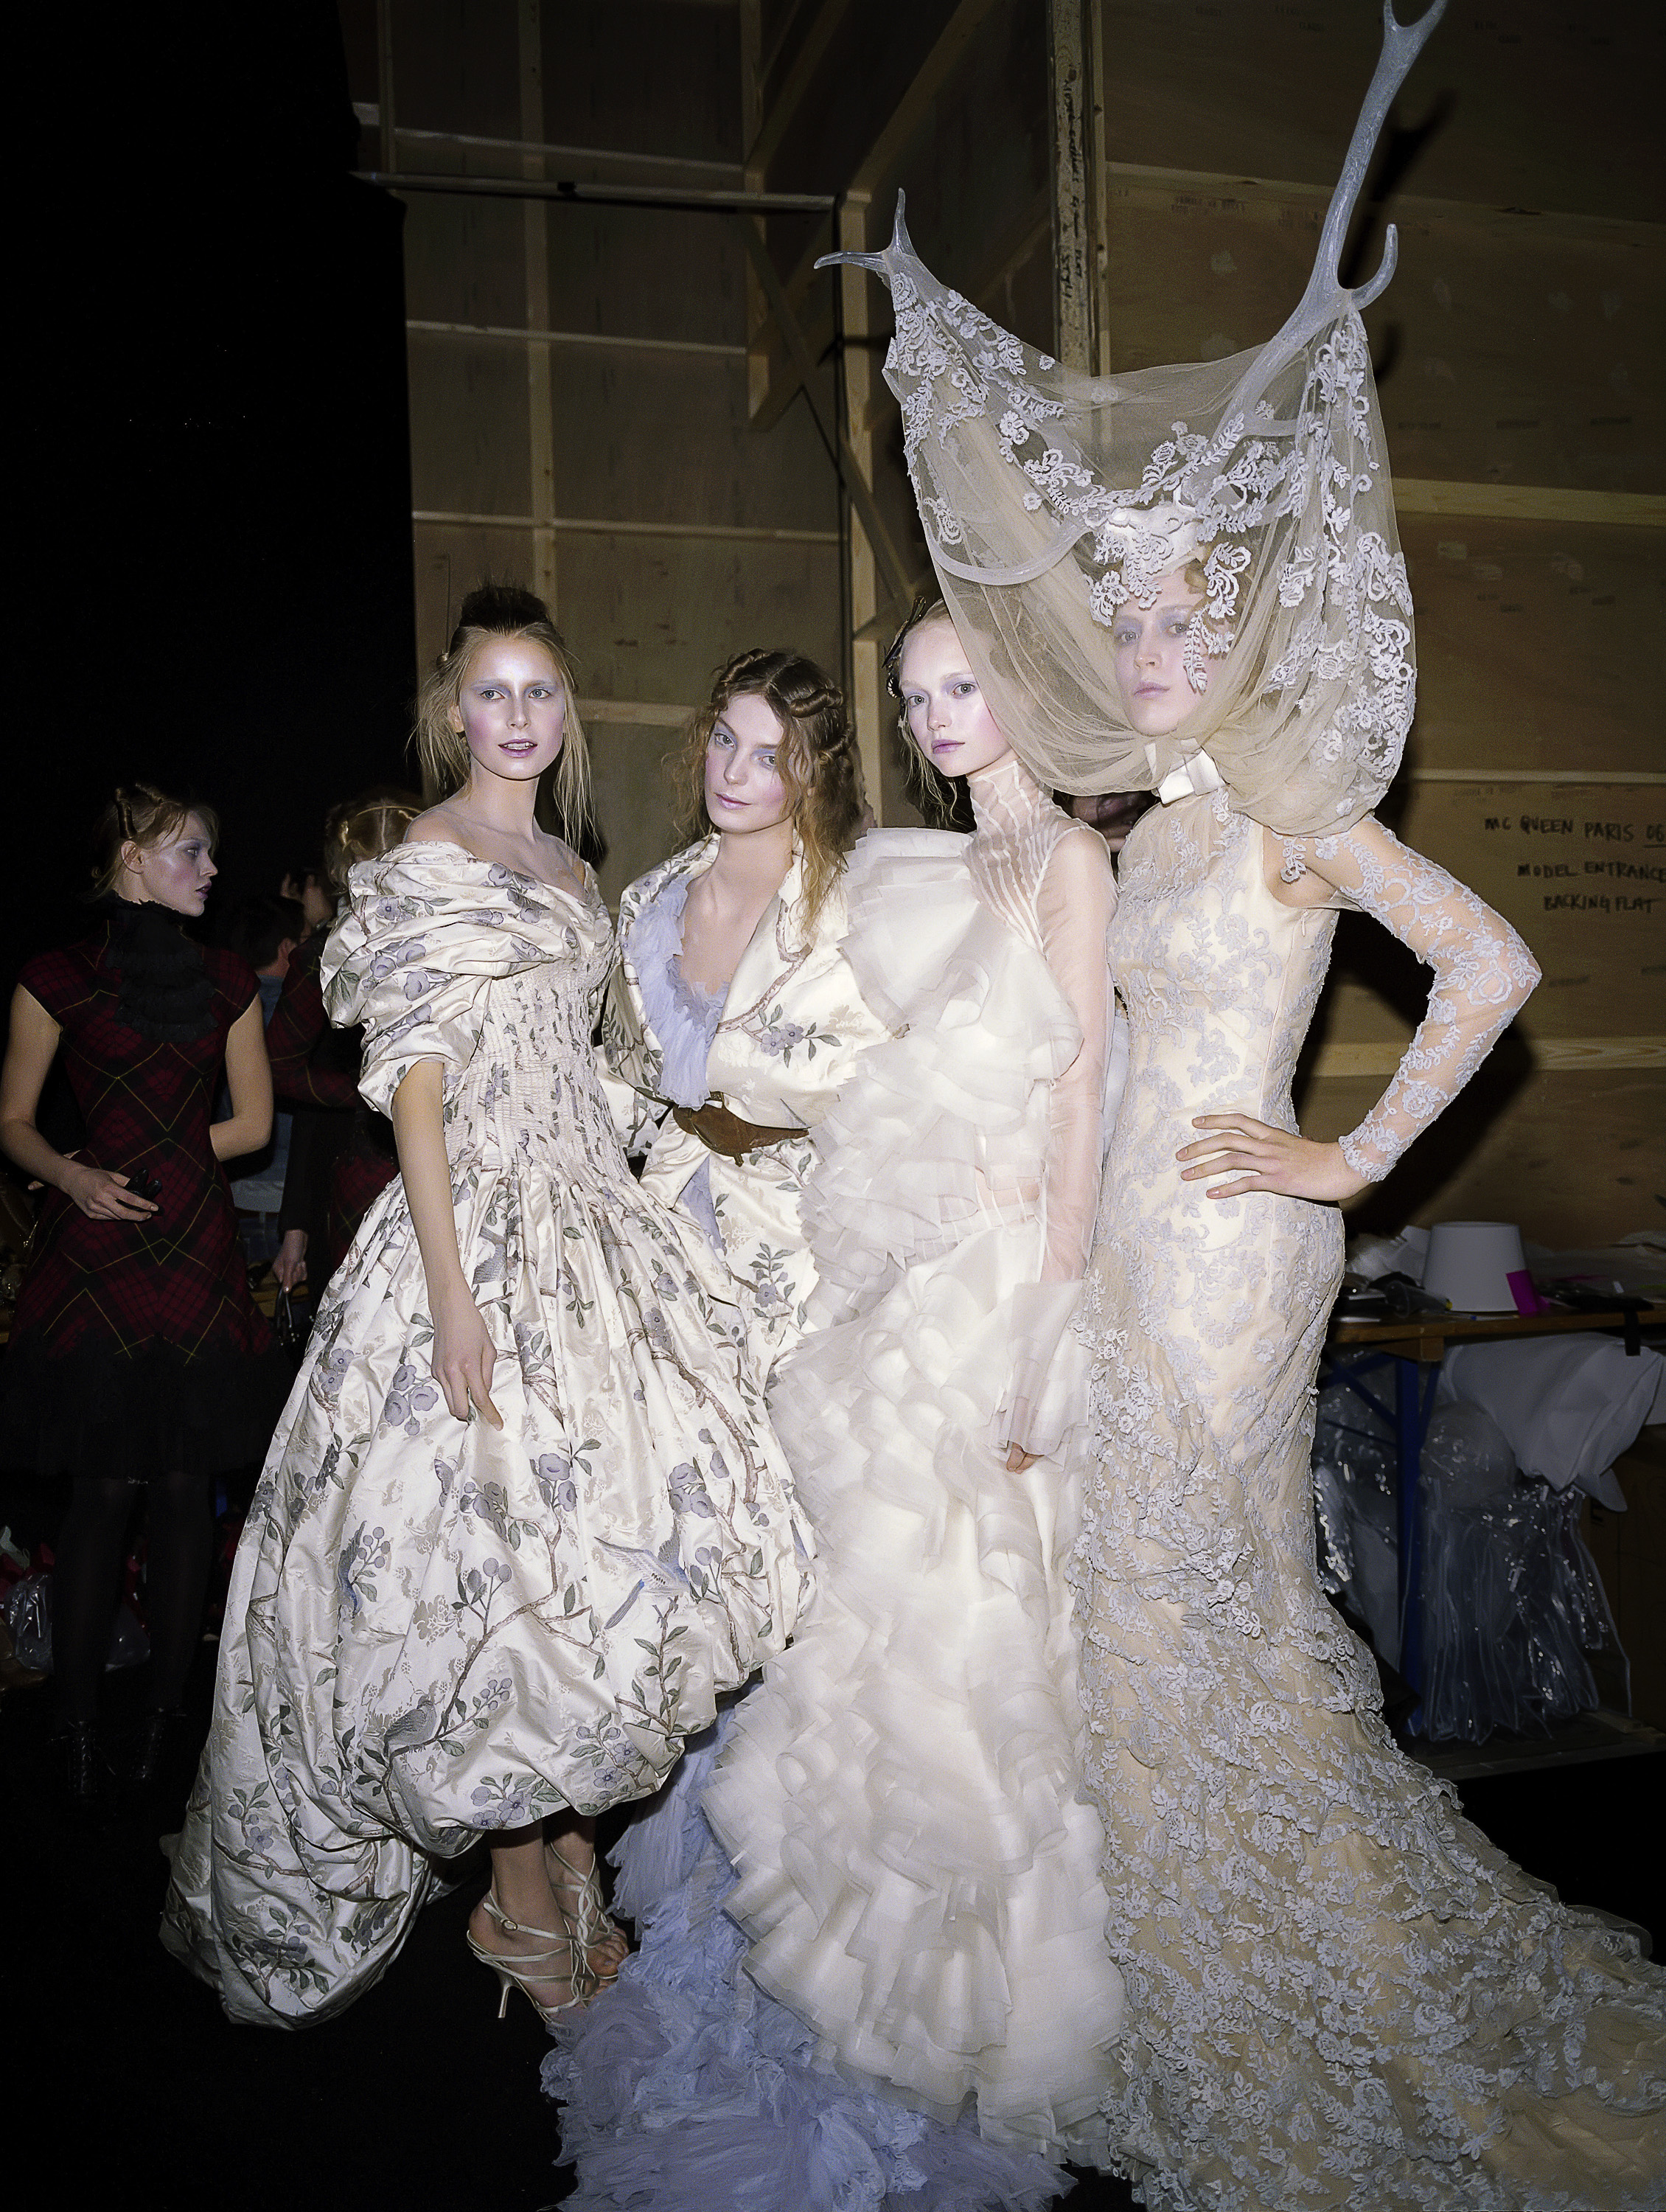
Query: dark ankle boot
{"type": "Point", "coordinates": [156, 1748]}
{"type": "Point", "coordinates": [79, 1765]}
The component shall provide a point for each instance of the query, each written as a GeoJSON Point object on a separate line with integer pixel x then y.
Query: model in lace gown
{"type": "Point", "coordinates": [1339, 1994]}
{"type": "Point", "coordinates": [900, 1794]}
{"type": "Point", "coordinates": [524, 1518]}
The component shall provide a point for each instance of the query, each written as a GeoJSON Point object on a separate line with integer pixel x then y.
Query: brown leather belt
{"type": "Point", "coordinates": [720, 1131]}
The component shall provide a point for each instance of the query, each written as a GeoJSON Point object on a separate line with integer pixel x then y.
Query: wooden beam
{"type": "Point", "coordinates": [384, 109]}
{"type": "Point", "coordinates": [606, 339]}
{"type": "Point", "coordinates": [641, 714]}
{"type": "Point", "coordinates": [1596, 778]}
{"type": "Point", "coordinates": [570, 526]}
{"type": "Point", "coordinates": [1142, 180]}
{"type": "Point", "coordinates": [771, 388]}
{"type": "Point", "coordinates": [1507, 502]}
{"type": "Point", "coordinates": [776, 125]}
{"type": "Point", "coordinates": [1071, 76]}
{"type": "Point", "coordinates": [369, 113]}
{"type": "Point", "coordinates": [1099, 155]}
{"type": "Point", "coordinates": [879, 165]}
{"type": "Point", "coordinates": [850, 473]}
{"type": "Point", "coordinates": [535, 219]}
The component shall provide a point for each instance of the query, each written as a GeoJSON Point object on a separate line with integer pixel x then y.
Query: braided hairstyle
{"type": "Point", "coordinates": [498, 610]}
{"type": "Point", "coordinates": [817, 758]}
{"type": "Point", "coordinates": [139, 814]}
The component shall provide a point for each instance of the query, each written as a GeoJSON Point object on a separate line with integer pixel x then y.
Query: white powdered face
{"type": "Point", "coordinates": [949, 718]}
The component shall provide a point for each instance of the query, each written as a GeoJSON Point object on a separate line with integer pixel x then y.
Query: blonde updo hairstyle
{"type": "Point", "coordinates": [817, 759]}
{"type": "Point", "coordinates": [442, 750]}
{"type": "Point", "coordinates": [139, 814]}
{"type": "Point", "coordinates": [363, 829]}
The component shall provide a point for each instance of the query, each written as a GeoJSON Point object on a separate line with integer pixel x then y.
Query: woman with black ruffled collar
{"type": "Point", "coordinates": [137, 1355]}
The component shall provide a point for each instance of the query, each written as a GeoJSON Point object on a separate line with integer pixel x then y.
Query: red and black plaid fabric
{"type": "Point", "coordinates": [312, 1064]}
{"type": "Point", "coordinates": [136, 1347]}
{"type": "Point", "coordinates": [360, 1175]}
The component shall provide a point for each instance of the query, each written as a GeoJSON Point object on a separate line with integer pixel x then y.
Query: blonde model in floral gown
{"type": "Point", "coordinates": [435, 1626]}
{"type": "Point", "coordinates": [1339, 1994]}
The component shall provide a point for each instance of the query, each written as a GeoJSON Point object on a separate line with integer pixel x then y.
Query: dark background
{"type": "Point", "coordinates": [212, 506]}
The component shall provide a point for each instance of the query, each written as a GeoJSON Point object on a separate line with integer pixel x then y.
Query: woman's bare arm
{"type": "Point", "coordinates": [248, 1078]}
{"type": "Point", "coordinates": [100, 1195]}
{"type": "Point", "coordinates": [463, 1355]}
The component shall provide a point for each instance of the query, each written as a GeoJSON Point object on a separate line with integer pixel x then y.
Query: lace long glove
{"type": "Point", "coordinates": [1076, 901]}
{"type": "Point", "coordinates": [1483, 975]}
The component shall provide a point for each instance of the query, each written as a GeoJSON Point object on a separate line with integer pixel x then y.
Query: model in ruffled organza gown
{"type": "Point", "coordinates": [524, 1518]}
{"type": "Point", "coordinates": [917, 2003]}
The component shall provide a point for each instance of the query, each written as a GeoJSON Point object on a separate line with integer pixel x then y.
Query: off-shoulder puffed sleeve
{"type": "Point", "coordinates": [427, 932]}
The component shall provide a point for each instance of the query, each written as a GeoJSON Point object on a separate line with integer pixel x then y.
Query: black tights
{"type": "Point", "coordinates": [86, 1585]}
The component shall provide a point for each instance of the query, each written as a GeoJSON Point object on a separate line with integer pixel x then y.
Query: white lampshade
{"type": "Point", "coordinates": [1469, 1264]}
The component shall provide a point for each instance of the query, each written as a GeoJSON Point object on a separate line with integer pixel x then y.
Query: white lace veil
{"type": "Point", "coordinates": [1049, 498]}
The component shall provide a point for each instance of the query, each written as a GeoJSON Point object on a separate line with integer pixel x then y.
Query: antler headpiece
{"type": "Point", "coordinates": [1050, 499]}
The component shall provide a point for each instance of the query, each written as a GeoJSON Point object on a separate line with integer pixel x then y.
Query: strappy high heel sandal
{"type": "Point", "coordinates": [587, 1913]}
{"type": "Point", "coordinates": [565, 1961]}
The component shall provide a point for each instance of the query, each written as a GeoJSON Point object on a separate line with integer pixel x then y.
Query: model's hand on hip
{"type": "Point", "coordinates": [1259, 1158]}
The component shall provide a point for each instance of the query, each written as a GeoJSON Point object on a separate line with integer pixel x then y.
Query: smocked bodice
{"type": "Point", "coordinates": [495, 977]}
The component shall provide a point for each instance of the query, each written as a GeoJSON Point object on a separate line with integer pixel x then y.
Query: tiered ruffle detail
{"type": "Point", "coordinates": [684, 2088]}
{"type": "Point", "coordinates": [917, 1874]}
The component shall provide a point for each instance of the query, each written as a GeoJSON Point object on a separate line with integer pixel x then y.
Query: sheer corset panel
{"type": "Point", "coordinates": [1483, 975]}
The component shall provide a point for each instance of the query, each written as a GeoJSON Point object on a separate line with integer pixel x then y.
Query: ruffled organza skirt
{"type": "Point", "coordinates": [685, 2089]}
{"type": "Point", "coordinates": [902, 1795]}
{"type": "Point", "coordinates": [436, 1628]}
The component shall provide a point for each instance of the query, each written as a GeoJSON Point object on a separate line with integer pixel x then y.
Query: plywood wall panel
{"type": "Point", "coordinates": [1574, 1159]}
{"type": "Point", "coordinates": [1541, 104]}
{"type": "Point", "coordinates": [470, 447]}
{"type": "Point", "coordinates": [650, 620]}
{"type": "Point", "coordinates": [634, 798]}
{"type": "Point", "coordinates": [649, 76]}
{"type": "Point", "coordinates": [1527, 643]}
{"type": "Point", "coordinates": [1581, 871]}
{"type": "Point", "coordinates": [646, 272]}
{"type": "Point", "coordinates": [1506, 351]}
{"type": "Point", "coordinates": [465, 259]}
{"type": "Point", "coordinates": [450, 561]}
{"type": "Point", "coordinates": [866, 68]}
{"type": "Point", "coordinates": [457, 66]}
{"type": "Point", "coordinates": [665, 437]}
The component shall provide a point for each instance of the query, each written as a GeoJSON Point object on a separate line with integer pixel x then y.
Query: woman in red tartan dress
{"type": "Point", "coordinates": [137, 1355]}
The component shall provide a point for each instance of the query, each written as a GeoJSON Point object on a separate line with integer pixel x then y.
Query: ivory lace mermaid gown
{"type": "Point", "coordinates": [436, 1627]}
{"type": "Point", "coordinates": [1339, 1994]}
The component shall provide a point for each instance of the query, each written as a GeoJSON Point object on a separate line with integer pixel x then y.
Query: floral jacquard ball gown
{"type": "Point", "coordinates": [436, 1629]}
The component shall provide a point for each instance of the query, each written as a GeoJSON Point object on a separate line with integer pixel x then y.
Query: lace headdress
{"type": "Point", "coordinates": [1049, 499]}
